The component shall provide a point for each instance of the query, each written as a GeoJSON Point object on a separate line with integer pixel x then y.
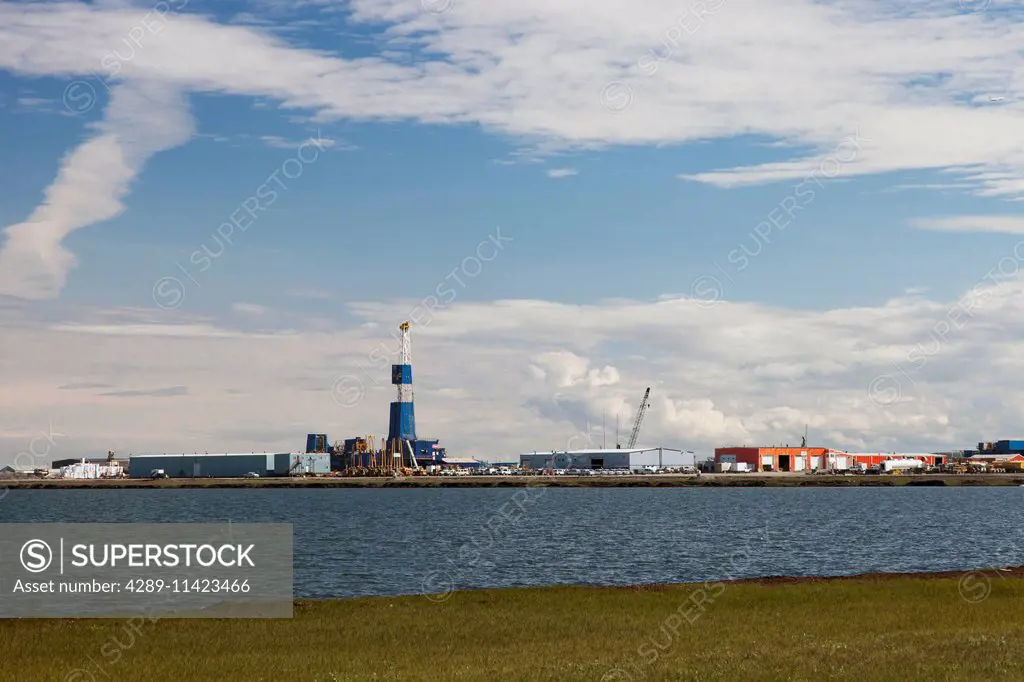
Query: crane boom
{"type": "Point", "coordinates": [644, 404]}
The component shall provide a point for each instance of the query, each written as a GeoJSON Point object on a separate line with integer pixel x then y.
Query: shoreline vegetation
{"type": "Point", "coordinates": [864, 628]}
{"type": "Point", "coordinates": [639, 481]}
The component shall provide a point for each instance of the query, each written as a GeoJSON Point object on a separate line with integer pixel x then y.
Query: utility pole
{"type": "Point", "coordinates": [604, 431]}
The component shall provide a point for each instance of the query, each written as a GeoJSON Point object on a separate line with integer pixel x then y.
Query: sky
{"type": "Point", "coordinates": [779, 216]}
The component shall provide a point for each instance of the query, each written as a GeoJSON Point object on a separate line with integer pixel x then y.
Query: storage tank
{"type": "Point", "coordinates": [901, 464]}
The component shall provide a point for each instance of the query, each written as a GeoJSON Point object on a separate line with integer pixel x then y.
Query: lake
{"type": "Point", "coordinates": [358, 542]}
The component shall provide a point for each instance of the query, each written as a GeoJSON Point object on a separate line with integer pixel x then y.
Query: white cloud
{"type": "Point", "coordinates": [277, 142]}
{"type": "Point", "coordinates": [562, 369]}
{"type": "Point", "coordinates": [142, 119]}
{"type": "Point", "coordinates": [562, 172]}
{"type": "Point", "coordinates": [200, 331]}
{"type": "Point", "coordinates": [972, 223]}
{"type": "Point", "coordinates": [532, 374]}
{"type": "Point", "coordinates": [533, 69]}
{"type": "Point", "coordinates": [250, 308]}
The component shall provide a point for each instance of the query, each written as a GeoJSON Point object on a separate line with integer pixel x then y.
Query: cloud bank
{"type": "Point", "coordinates": [913, 373]}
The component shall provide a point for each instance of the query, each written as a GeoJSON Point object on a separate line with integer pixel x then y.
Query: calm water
{"type": "Point", "coordinates": [376, 542]}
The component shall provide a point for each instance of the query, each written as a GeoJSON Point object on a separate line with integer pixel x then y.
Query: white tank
{"type": "Point", "coordinates": [891, 464]}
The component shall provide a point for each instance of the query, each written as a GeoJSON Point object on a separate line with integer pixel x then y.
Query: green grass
{"type": "Point", "coordinates": [862, 629]}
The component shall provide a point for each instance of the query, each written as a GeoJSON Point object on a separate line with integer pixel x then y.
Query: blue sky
{"type": "Point", "coordinates": [424, 196]}
{"type": "Point", "coordinates": [442, 123]}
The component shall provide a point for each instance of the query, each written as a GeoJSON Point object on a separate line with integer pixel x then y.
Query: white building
{"type": "Point", "coordinates": [90, 470]}
{"type": "Point", "coordinates": [633, 459]}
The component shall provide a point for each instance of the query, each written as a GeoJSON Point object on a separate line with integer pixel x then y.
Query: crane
{"type": "Point", "coordinates": [644, 404]}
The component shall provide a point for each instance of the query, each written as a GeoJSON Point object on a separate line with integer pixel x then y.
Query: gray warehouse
{"type": "Point", "coordinates": [230, 465]}
{"type": "Point", "coordinates": [606, 459]}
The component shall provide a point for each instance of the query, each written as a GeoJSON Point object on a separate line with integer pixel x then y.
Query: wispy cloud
{"type": "Point", "coordinates": [167, 392]}
{"type": "Point", "coordinates": [972, 223]}
{"type": "Point", "coordinates": [562, 172]}
{"type": "Point", "coordinates": [83, 385]}
{"type": "Point", "coordinates": [278, 142]}
{"type": "Point", "coordinates": [141, 120]}
{"type": "Point", "coordinates": [250, 308]}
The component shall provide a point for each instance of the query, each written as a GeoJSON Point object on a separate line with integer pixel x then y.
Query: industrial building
{"type": "Point", "coordinates": [813, 459]}
{"type": "Point", "coordinates": [778, 459]}
{"type": "Point", "coordinates": [875, 459]}
{"type": "Point", "coordinates": [230, 465]}
{"type": "Point", "coordinates": [996, 457]}
{"type": "Point", "coordinates": [633, 459]}
{"type": "Point", "coordinates": [1004, 454]}
{"type": "Point", "coordinates": [1001, 447]}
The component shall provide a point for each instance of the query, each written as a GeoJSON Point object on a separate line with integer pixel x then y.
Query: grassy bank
{"type": "Point", "coordinates": [659, 481]}
{"type": "Point", "coordinates": [865, 629]}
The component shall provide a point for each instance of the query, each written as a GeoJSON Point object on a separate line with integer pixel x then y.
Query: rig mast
{"type": "Point", "coordinates": [402, 425]}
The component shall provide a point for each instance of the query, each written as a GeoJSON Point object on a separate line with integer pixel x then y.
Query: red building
{"type": "Point", "coordinates": [776, 459]}
{"type": "Point", "coordinates": [809, 459]}
{"type": "Point", "coordinates": [871, 459]}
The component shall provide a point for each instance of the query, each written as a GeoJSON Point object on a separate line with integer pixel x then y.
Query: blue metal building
{"type": "Point", "coordinates": [229, 465]}
{"type": "Point", "coordinates": [302, 463]}
{"type": "Point", "coordinates": [1002, 447]}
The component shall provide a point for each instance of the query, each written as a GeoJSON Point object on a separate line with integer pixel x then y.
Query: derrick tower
{"type": "Point", "coordinates": [402, 425]}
